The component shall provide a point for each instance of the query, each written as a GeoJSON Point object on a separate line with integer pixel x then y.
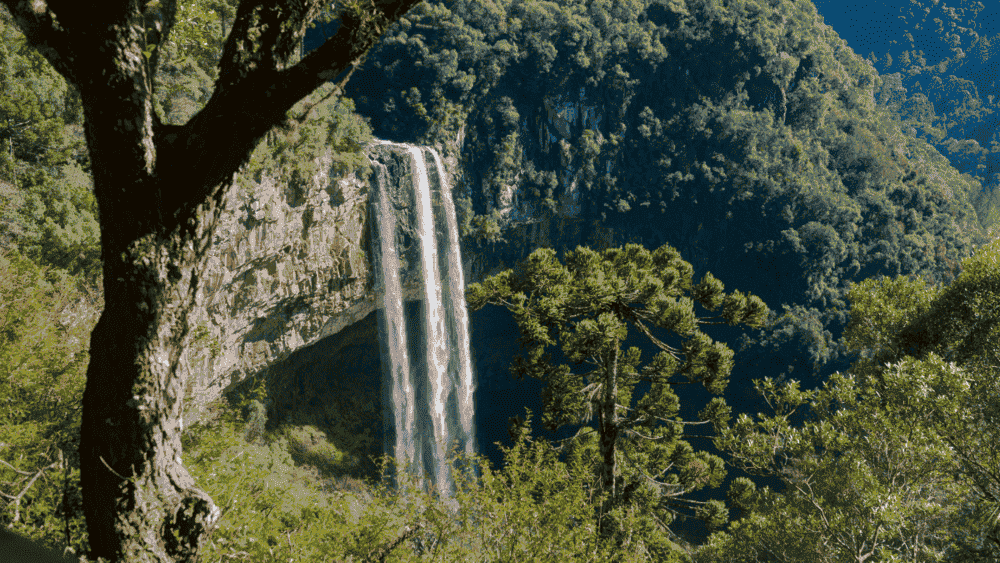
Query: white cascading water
{"type": "Point", "coordinates": [430, 385]}
{"type": "Point", "coordinates": [392, 324]}
{"type": "Point", "coordinates": [459, 321]}
{"type": "Point", "coordinates": [434, 330]}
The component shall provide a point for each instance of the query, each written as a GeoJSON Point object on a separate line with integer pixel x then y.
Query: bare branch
{"type": "Point", "coordinates": [382, 553]}
{"type": "Point", "coordinates": [16, 500]}
{"type": "Point", "coordinates": [335, 91]}
{"type": "Point", "coordinates": [158, 17]}
{"type": "Point", "coordinates": [665, 347]}
{"type": "Point", "coordinates": [677, 488]}
{"type": "Point", "coordinates": [14, 469]}
{"type": "Point", "coordinates": [630, 432]}
{"type": "Point", "coordinates": [570, 439]}
{"type": "Point", "coordinates": [667, 420]}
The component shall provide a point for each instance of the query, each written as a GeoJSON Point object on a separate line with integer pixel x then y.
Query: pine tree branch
{"type": "Point", "coordinates": [16, 499]}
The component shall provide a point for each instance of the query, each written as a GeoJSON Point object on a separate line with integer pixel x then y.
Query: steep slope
{"type": "Point", "coordinates": [745, 134]}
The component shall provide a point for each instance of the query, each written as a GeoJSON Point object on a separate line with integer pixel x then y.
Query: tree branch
{"type": "Point", "coordinates": [37, 21]}
{"type": "Point", "coordinates": [678, 488]}
{"type": "Point", "coordinates": [636, 420]}
{"type": "Point", "coordinates": [16, 500]}
{"type": "Point", "coordinates": [571, 438]}
{"type": "Point", "coordinates": [380, 554]}
{"type": "Point", "coordinates": [660, 345]}
{"type": "Point", "coordinates": [159, 18]}
{"type": "Point", "coordinates": [255, 90]}
{"type": "Point", "coordinates": [629, 432]}
{"type": "Point", "coordinates": [15, 470]}
{"type": "Point", "coordinates": [335, 91]}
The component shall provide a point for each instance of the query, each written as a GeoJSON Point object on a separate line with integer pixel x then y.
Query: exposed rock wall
{"type": "Point", "coordinates": [288, 267]}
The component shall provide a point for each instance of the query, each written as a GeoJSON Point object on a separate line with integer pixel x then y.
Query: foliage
{"type": "Point", "coordinates": [463, 49]}
{"type": "Point", "coordinates": [190, 56]}
{"type": "Point", "coordinates": [953, 330]}
{"type": "Point", "coordinates": [860, 481]}
{"type": "Point", "coordinates": [555, 518]}
{"type": "Point", "coordinates": [895, 461]}
{"type": "Point", "coordinates": [657, 118]}
{"type": "Point", "coordinates": [945, 91]}
{"type": "Point", "coordinates": [585, 307]}
{"type": "Point", "coordinates": [292, 155]}
{"type": "Point", "coordinates": [44, 328]}
{"type": "Point", "coordinates": [48, 210]}
{"type": "Point", "coordinates": [963, 322]}
{"type": "Point", "coordinates": [34, 107]}
{"type": "Point", "coordinates": [275, 508]}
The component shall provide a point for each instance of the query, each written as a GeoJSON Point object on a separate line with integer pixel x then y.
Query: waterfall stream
{"type": "Point", "coordinates": [427, 376]}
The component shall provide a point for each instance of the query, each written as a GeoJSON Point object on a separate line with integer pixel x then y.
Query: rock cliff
{"type": "Point", "coordinates": [287, 269]}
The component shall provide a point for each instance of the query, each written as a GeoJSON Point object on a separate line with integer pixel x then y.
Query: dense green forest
{"type": "Point", "coordinates": [751, 119]}
{"type": "Point", "coordinates": [743, 133]}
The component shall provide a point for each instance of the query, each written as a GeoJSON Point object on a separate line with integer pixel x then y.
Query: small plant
{"type": "Point", "coordinates": [200, 337]}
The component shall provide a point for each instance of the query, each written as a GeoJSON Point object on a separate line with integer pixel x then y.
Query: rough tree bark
{"type": "Point", "coordinates": [160, 189]}
{"type": "Point", "coordinates": [609, 430]}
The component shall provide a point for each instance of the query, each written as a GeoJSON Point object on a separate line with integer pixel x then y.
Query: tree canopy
{"type": "Point", "coordinates": [895, 460]}
{"type": "Point", "coordinates": [746, 134]}
{"type": "Point", "coordinates": [585, 308]}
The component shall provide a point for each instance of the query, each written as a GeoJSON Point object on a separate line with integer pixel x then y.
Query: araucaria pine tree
{"type": "Point", "coordinates": [643, 462]}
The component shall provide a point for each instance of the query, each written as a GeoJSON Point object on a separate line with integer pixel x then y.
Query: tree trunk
{"type": "Point", "coordinates": [782, 105]}
{"type": "Point", "coordinates": [157, 220]}
{"type": "Point", "coordinates": [139, 500]}
{"type": "Point", "coordinates": [160, 190]}
{"type": "Point", "coordinates": [609, 430]}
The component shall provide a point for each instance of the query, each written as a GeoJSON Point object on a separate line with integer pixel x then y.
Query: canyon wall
{"type": "Point", "coordinates": [287, 269]}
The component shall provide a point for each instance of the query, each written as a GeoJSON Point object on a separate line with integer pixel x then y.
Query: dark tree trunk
{"type": "Point", "coordinates": [782, 111]}
{"type": "Point", "coordinates": [608, 433]}
{"type": "Point", "coordinates": [160, 190]}
{"type": "Point", "coordinates": [131, 472]}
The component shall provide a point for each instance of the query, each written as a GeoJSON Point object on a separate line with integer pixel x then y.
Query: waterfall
{"type": "Point", "coordinates": [427, 376]}
{"type": "Point", "coordinates": [459, 319]}
{"type": "Point", "coordinates": [396, 385]}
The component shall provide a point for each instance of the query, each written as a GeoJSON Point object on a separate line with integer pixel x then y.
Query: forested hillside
{"type": "Point", "coordinates": [938, 62]}
{"type": "Point", "coordinates": [746, 134]}
{"type": "Point", "coordinates": [743, 133]}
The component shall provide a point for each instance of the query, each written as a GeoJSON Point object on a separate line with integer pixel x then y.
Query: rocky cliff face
{"type": "Point", "coordinates": [527, 219]}
{"type": "Point", "coordinates": [290, 267]}
{"type": "Point", "coordinates": [287, 269]}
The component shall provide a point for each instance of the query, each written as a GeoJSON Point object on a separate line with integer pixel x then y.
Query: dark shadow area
{"type": "Point", "coordinates": [325, 399]}
{"type": "Point", "coordinates": [17, 549]}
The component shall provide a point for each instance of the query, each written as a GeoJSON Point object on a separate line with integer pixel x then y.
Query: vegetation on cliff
{"type": "Point", "coordinates": [746, 134]}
